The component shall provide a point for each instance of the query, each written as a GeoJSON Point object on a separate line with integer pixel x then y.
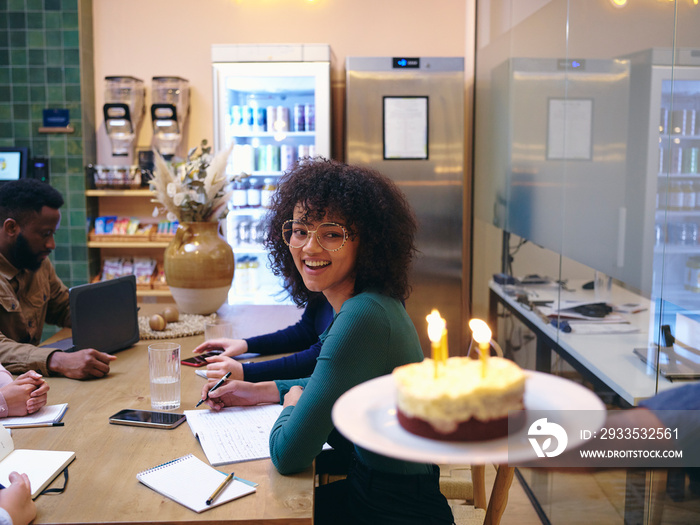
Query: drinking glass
{"type": "Point", "coordinates": [218, 329]}
{"type": "Point", "coordinates": [164, 371]}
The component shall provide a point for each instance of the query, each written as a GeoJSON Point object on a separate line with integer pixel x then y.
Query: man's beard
{"type": "Point", "coordinates": [23, 257]}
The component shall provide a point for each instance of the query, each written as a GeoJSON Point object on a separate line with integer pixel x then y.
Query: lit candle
{"type": "Point", "coordinates": [438, 337]}
{"type": "Point", "coordinates": [482, 335]}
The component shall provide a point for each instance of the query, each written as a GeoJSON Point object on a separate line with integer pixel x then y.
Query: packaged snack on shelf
{"type": "Point", "coordinates": [144, 268]}
{"type": "Point", "coordinates": [120, 226]}
{"type": "Point", "coordinates": [104, 224]}
{"type": "Point", "coordinates": [109, 224]}
{"type": "Point", "coordinates": [112, 268]}
{"type": "Point", "coordinates": [127, 266]}
{"type": "Point", "coordinates": [133, 226]}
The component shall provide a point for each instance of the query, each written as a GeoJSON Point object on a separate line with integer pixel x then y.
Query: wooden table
{"type": "Point", "coordinates": [103, 488]}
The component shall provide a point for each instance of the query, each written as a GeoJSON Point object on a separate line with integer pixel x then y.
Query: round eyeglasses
{"type": "Point", "coordinates": [330, 236]}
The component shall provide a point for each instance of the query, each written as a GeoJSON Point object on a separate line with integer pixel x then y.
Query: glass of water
{"type": "Point", "coordinates": [164, 371]}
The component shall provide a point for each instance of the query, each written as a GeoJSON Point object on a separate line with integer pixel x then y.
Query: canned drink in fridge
{"type": "Point", "coordinates": [248, 161]}
{"type": "Point", "coordinates": [299, 119]}
{"type": "Point", "coordinates": [271, 113]}
{"type": "Point", "coordinates": [690, 123]}
{"type": "Point", "coordinates": [690, 160]}
{"type": "Point", "coordinates": [260, 158]}
{"type": "Point", "coordinates": [310, 117]}
{"type": "Point", "coordinates": [236, 116]}
{"type": "Point", "coordinates": [312, 151]}
{"type": "Point", "coordinates": [260, 119]}
{"type": "Point", "coordinates": [273, 157]}
{"type": "Point", "coordinates": [286, 157]}
{"type": "Point", "coordinates": [282, 122]}
{"type": "Point", "coordinates": [249, 117]}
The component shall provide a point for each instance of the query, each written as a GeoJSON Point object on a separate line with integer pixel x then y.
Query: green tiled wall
{"type": "Point", "coordinates": [40, 68]}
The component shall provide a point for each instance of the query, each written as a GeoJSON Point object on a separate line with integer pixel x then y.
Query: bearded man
{"type": "Point", "coordinates": [31, 293]}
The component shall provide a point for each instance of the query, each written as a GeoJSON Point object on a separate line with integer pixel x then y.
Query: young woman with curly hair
{"type": "Point", "coordinates": [346, 232]}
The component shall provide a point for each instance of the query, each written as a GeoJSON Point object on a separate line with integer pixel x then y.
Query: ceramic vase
{"type": "Point", "coordinates": [199, 266]}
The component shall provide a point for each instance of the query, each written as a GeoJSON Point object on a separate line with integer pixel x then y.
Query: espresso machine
{"type": "Point", "coordinates": [169, 109]}
{"type": "Point", "coordinates": [123, 112]}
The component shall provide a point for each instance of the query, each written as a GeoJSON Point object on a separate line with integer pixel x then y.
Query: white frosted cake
{"type": "Point", "coordinates": [460, 404]}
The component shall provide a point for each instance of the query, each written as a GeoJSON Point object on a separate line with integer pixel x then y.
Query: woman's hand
{"type": "Point", "coordinates": [17, 499]}
{"type": "Point", "coordinates": [26, 394]}
{"type": "Point", "coordinates": [38, 398]}
{"type": "Point", "coordinates": [230, 347]}
{"type": "Point", "coordinates": [240, 393]}
{"type": "Point", "coordinates": [291, 398]}
{"type": "Point", "coordinates": [219, 365]}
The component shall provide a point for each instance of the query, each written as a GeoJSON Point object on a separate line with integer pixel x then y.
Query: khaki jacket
{"type": "Point", "coordinates": [40, 297]}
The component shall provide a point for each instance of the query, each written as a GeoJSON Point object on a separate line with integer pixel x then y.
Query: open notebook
{"type": "Point", "coordinates": [42, 466]}
{"type": "Point", "coordinates": [190, 482]}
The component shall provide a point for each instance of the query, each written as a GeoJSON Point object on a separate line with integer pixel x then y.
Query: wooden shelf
{"type": "Point", "coordinates": [66, 129]}
{"type": "Point", "coordinates": [153, 293]}
{"type": "Point", "coordinates": [116, 244]}
{"type": "Point", "coordinates": [119, 193]}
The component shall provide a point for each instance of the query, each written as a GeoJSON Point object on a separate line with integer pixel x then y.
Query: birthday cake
{"type": "Point", "coordinates": [460, 404]}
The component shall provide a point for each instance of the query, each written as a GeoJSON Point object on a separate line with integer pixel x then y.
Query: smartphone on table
{"type": "Point", "coordinates": [147, 418]}
{"type": "Point", "coordinates": [200, 360]}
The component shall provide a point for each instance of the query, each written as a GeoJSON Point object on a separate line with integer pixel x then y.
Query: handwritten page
{"type": "Point", "coordinates": [190, 481]}
{"type": "Point", "coordinates": [234, 434]}
{"type": "Point", "coordinates": [47, 414]}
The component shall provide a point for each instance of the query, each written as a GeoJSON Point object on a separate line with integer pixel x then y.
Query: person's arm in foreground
{"type": "Point", "coordinates": [16, 500]}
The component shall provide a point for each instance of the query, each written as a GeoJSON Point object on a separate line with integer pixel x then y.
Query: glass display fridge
{"type": "Point", "coordinates": [664, 180]}
{"type": "Point", "coordinates": [272, 102]}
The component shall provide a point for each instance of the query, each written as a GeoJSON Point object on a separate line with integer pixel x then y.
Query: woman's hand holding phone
{"type": "Point", "coordinates": [230, 347]}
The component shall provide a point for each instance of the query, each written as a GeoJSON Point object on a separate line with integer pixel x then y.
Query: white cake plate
{"type": "Point", "coordinates": [366, 415]}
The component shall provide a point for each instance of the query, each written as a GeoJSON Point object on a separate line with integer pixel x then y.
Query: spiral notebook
{"type": "Point", "coordinates": [190, 482]}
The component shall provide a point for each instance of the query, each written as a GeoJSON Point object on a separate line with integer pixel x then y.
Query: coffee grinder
{"type": "Point", "coordinates": [169, 109]}
{"type": "Point", "coordinates": [123, 112]}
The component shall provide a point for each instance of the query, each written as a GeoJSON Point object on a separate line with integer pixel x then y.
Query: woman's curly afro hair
{"type": "Point", "coordinates": [370, 206]}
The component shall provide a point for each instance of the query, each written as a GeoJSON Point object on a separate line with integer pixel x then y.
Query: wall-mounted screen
{"type": "Point", "coordinates": [13, 163]}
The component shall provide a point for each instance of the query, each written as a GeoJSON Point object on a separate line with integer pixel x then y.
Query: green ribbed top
{"type": "Point", "coordinates": [370, 336]}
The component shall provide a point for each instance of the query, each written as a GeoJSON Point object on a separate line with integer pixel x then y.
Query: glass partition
{"type": "Point", "coordinates": [587, 189]}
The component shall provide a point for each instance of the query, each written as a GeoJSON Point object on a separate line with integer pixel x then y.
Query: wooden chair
{"type": "Point", "coordinates": [465, 489]}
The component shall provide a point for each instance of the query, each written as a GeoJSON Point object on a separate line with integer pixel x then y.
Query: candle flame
{"type": "Point", "coordinates": [436, 325]}
{"type": "Point", "coordinates": [480, 331]}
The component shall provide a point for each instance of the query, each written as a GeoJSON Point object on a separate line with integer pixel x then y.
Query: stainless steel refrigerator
{"type": "Point", "coordinates": [405, 118]}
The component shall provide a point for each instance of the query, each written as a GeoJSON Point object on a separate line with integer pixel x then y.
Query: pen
{"type": "Point", "coordinates": [221, 487]}
{"type": "Point", "coordinates": [37, 425]}
{"type": "Point", "coordinates": [217, 385]}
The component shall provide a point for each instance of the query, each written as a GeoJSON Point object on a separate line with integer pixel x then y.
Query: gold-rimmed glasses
{"type": "Point", "coordinates": [330, 235]}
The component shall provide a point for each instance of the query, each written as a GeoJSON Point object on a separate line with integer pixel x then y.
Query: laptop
{"type": "Point", "coordinates": [104, 316]}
